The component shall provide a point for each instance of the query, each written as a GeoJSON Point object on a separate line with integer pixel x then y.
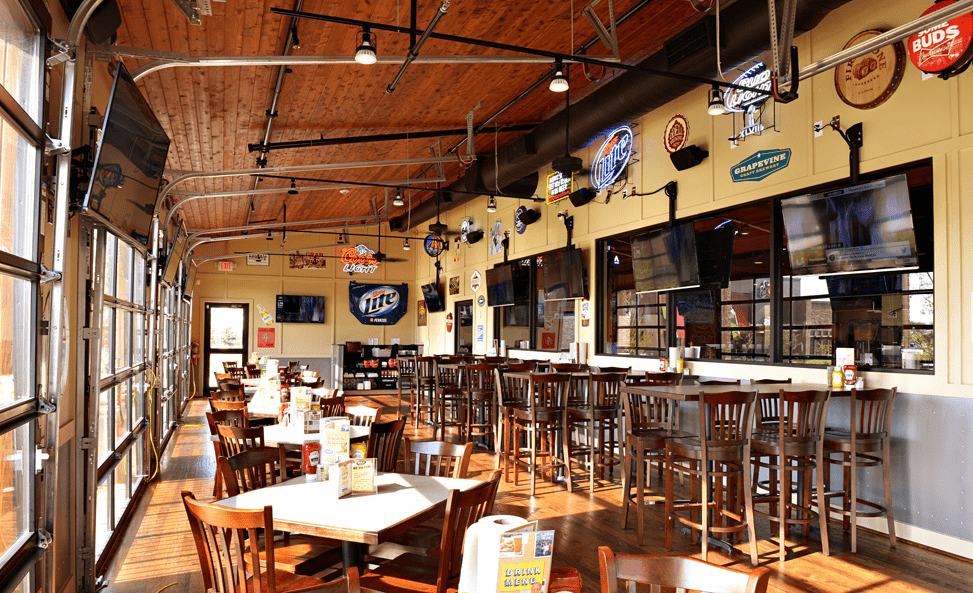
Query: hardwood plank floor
{"type": "Point", "coordinates": [159, 550]}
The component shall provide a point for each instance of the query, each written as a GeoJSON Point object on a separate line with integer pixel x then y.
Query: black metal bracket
{"type": "Point", "coordinates": [791, 94]}
{"type": "Point", "coordinates": [505, 242]}
{"type": "Point", "coordinates": [855, 139]}
{"type": "Point", "coordinates": [568, 225]}
{"type": "Point", "coordinates": [672, 191]}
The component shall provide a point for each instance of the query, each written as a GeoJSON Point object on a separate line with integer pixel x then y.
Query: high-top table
{"type": "Point", "coordinates": [403, 501]}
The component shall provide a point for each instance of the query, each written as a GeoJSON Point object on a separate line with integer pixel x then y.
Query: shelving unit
{"type": "Point", "coordinates": [360, 367]}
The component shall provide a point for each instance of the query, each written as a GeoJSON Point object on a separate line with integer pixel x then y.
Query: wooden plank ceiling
{"type": "Point", "coordinates": [212, 114]}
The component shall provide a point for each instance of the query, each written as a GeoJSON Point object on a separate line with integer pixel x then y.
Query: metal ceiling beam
{"type": "Point", "coordinates": [382, 138]}
{"type": "Point", "coordinates": [361, 222]}
{"type": "Point", "coordinates": [280, 190]}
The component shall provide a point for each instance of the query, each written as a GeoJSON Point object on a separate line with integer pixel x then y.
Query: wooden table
{"type": "Point", "coordinates": [402, 501]}
{"type": "Point", "coordinates": [278, 434]}
{"type": "Point", "coordinates": [690, 393]}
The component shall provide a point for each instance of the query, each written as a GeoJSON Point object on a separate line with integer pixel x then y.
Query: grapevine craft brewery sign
{"type": "Point", "coordinates": [612, 158]}
{"type": "Point", "coordinates": [761, 165]}
{"type": "Point", "coordinates": [946, 48]}
{"type": "Point", "coordinates": [558, 186]}
{"type": "Point", "coordinates": [359, 260]}
{"type": "Point", "coordinates": [868, 81]}
{"type": "Point", "coordinates": [378, 304]}
{"type": "Point", "coordinates": [757, 80]}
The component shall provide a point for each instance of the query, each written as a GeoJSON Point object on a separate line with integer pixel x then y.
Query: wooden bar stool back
{"type": "Point", "coordinates": [437, 458]}
{"type": "Point", "coordinates": [424, 402]}
{"type": "Point", "coordinates": [479, 415]}
{"type": "Point", "coordinates": [361, 415]}
{"type": "Point", "coordinates": [543, 422]}
{"type": "Point", "coordinates": [449, 397]}
{"type": "Point", "coordinates": [598, 418]}
{"type": "Point", "coordinates": [768, 413]}
{"type": "Point", "coordinates": [722, 454]}
{"type": "Point", "coordinates": [512, 393]}
{"type": "Point", "coordinates": [406, 381]}
{"type": "Point", "coordinates": [866, 444]}
{"type": "Point", "coordinates": [332, 406]}
{"type": "Point", "coordinates": [235, 439]}
{"type": "Point", "coordinates": [795, 445]}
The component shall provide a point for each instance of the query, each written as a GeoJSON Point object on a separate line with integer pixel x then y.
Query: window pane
{"type": "Point", "coordinates": [18, 190]}
{"type": "Point", "coordinates": [14, 486]}
{"type": "Point", "coordinates": [226, 327]}
{"type": "Point", "coordinates": [103, 523]}
{"type": "Point", "coordinates": [122, 489]}
{"type": "Point", "coordinates": [110, 247]}
{"type": "Point", "coordinates": [138, 338]}
{"type": "Point", "coordinates": [139, 388]}
{"type": "Point", "coordinates": [16, 359]}
{"type": "Point", "coordinates": [107, 314]}
{"type": "Point", "coordinates": [122, 393]}
{"type": "Point", "coordinates": [122, 349]}
{"type": "Point", "coordinates": [104, 424]}
{"type": "Point", "coordinates": [124, 267]}
{"type": "Point", "coordinates": [138, 294]}
{"type": "Point", "coordinates": [20, 41]}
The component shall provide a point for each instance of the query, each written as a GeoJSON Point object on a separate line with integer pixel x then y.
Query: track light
{"type": "Point", "coordinates": [397, 200]}
{"type": "Point", "coordinates": [405, 245]}
{"type": "Point", "coordinates": [559, 82]}
{"type": "Point", "coordinates": [293, 189]}
{"type": "Point", "coordinates": [492, 204]}
{"type": "Point", "coordinates": [270, 235]}
{"type": "Point", "coordinates": [716, 104]}
{"type": "Point", "coordinates": [366, 53]}
{"type": "Point", "coordinates": [295, 43]}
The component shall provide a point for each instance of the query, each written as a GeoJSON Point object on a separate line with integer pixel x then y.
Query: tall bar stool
{"type": "Point", "coordinates": [722, 454]}
{"type": "Point", "coordinates": [424, 400]}
{"type": "Point", "coordinates": [795, 445]}
{"type": "Point", "coordinates": [479, 408]}
{"type": "Point", "coordinates": [599, 419]}
{"type": "Point", "coordinates": [768, 413]}
{"type": "Point", "coordinates": [648, 422]}
{"type": "Point", "coordinates": [449, 398]}
{"type": "Point", "coordinates": [406, 369]}
{"type": "Point", "coordinates": [512, 393]}
{"type": "Point", "coordinates": [866, 444]}
{"type": "Point", "coordinates": [543, 422]}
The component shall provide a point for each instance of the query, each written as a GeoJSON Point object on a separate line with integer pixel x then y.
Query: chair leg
{"type": "Point", "coordinates": [626, 486]}
{"type": "Point", "coordinates": [566, 452]}
{"type": "Point", "coordinates": [854, 502]}
{"type": "Point", "coordinates": [591, 456]}
{"type": "Point", "coordinates": [704, 509]}
{"type": "Point", "coordinates": [640, 495]}
{"type": "Point", "coordinates": [670, 498]}
{"type": "Point", "coordinates": [822, 506]}
{"type": "Point", "coordinates": [887, 482]}
{"type": "Point", "coordinates": [783, 496]}
{"type": "Point", "coordinates": [532, 440]}
{"type": "Point", "coordinates": [748, 503]}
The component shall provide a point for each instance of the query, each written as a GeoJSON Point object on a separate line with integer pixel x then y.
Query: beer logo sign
{"type": "Point", "coordinates": [377, 304]}
{"type": "Point", "coordinates": [761, 165]}
{"type": "Point", "coordinates": [676, 135]}
{"type": "Point", "coordinates": [558, 186]}
{"type": "Point", "coordinates": [757, 81]}
{"type": "Point", "coordinates": [378, 301]}
{"type": "Point", "coordinates": [944, 47]}
{"type": "Point", "coordinates": [358, 260]}
{"type": "Point", "coordinates": [868, 81]}
{"type": "Point", "coordinates": [612, 158]}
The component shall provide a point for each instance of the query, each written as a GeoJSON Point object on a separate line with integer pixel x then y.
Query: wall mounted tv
{"type": "Point", "coordinates": [189, 280]}
{"type": "Point", "coordinates": [500, 286]}
{"type": "Point", "coordinates": [434, 302]}
{"type": "Point", "coordinates": [564, 276]}
{"type": "Point", "coordinates": [176, 251]}
{"type": "Point", "coordinates": [129, 162]}
{"type": "Point", "coordinates": [665, 259]}
{"type": "Point", "coordinates": [300, 309]}
{"type": "Point", "coordinates": [714, 255]}
{"type": "Point", "coordinates": [856, 229]}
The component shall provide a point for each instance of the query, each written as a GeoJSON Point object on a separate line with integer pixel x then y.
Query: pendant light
{"type": "Point", "coordinates": [492, 204]}
{"type": "Point", "coordinates": [716, 104]}
{"type": "Point", "coordinates": [559, 82]}
{"type": "Point", "coordinates": [366, 53]}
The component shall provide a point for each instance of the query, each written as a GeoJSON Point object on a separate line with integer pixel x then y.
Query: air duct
{"type": "Point", "coordinates": [745, 31]}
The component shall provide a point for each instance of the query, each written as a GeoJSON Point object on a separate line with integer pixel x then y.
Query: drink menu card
{"type": "Point", "coordinates": [525, 561]}
{"type": "Point", "coordinates": [335, 439]}
{"type": "Point", "coordinates": [363, 476]}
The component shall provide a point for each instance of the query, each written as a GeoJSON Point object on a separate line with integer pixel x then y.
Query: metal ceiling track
{"type": "Point", "coordinates": [328, 186]}
{"type": "Point", "coordinates": [384, 137]}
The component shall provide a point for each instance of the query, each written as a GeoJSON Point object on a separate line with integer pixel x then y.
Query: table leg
{"type": "Point", "coordinates": [351, 556]}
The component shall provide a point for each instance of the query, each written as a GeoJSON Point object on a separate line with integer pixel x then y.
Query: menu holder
{"type": "Point", "coordinates": [525, 560]}
{"type": "Point", "coordinates": [311, 421]}
{"type": "Point", "coordinates": [340, 475]}
{"type": "Point", "coordinates": [335, 439]}
{"type": "Point", "coordinates": [844, 356]}
{"type": "Point", "coordinates": [363, 472]}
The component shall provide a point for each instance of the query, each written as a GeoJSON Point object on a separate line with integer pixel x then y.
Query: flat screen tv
{"type": "Point", "coordinates": [430, 293]}
{"type": "Point", "coordinates": [564, 275]}
{"type": "Point", "coordinates": [300, 309]}
{"type": "Point", "coordinates": [176, 251]}
{"type": "Point", "coordinates": [189, 280]}
{"type": "Point", "coordinates": [714, 255]}
{"type": "Point", "coordinates": [129, 162]}
{"type": "Point", "coordinates": [665, 259]}
{"type": "Point", "coordinates": [856, 229]}
{"type": "Point", "coordinates": [500, 286]}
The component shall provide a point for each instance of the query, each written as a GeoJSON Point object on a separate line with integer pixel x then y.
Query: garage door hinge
{"type": "Point", "coordinates": [87, 443]}
{"type": "Point", "coordinates": [44, 539]}
{"type": "Point", "coordinates": [90, 333]}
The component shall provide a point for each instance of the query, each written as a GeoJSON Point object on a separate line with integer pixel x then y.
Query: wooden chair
{"type": "Point", "coordinates": [229, 365]}
{"type": "Point", "coordinates": [716, 382]}
{"type": "Point", "coordinates": [300, 554]}
{"type": "Point", "coordinates": [720, 453]}
{"type": "Point", "coordinates": [543, 422]}
{"type": "Point", "coordinates": [238, 373]}
{"type": "Point", "coordinates": [361, 415]}
{"type": "Point", "coordinates": [480, 404]}
{"type": "Point", "coordinates": [495, 359]}
{"type": "Point", "coordinates": [221, 536]}
{"type": "Point", "coordinates": [796, 445]}
{"type": "Point", "coordinates": [768, 414]}
{"type": "Point", "coordinates": [424, 402]}
{"type": "Point", "coordinates": [625, 370]}
{"type": "Point", "coordinates": [599, 419]}
{"type": "Point", "coordinates": [865, 444]}
{"type": "Point", "coordinates": [232, 418]}
{"type": "Point", "coordinates": [675, 572]}
{"type": "Point", "coordinates": [235, 439]}
{"type": "Point", "coordinates": [406, 380]}
{"type": "Point", "coordinates": [227, 396]}
{"type": "Point", "coordinates": [332, 406]}
{"type": "Point", "coordinates": [450, 398]}
{"type": "Point", "coordinates": [219, 405]}
{"type": "Point", "coordinates": [437, 458]}
{"type": "Point", "coordinates": [512, 393]}
{"type": "Point", "coordinates": [383, 443]}
{"type": "Point", "coordinates": [649, 421]}
{"type": "Point", "coordinates": [568, 367]}
{"type": "Point", "coordinates": [420, 574]}
{"type": "Point", "coordinates": [253, 371]}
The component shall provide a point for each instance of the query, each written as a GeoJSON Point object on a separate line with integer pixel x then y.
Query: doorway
{"type": "Point", "coordinates": [226, 338]}
{"type": "Point", "coordinates": [464, 327]}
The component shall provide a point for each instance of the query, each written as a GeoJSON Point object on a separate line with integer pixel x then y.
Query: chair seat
{"type": "Point", "coordinates": [840, 440]}
{"type": "Point", "coordinates": [408, 573]}
{"type": "Point", "coordinates": [304, 554]}
{"type": "Point", "coordinates": [600, 412]}
{"type": "Point", "coordinates": [691, 449]}
{"type": "Point", "coordinates": [289, 583]}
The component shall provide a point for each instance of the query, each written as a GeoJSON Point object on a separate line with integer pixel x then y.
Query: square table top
{"type": "Point", "coordinates": [690, 393]}
{"type": "Point", "coordinates": [278, 434]}
{"type": "Point", "coordinates": [312, 508]}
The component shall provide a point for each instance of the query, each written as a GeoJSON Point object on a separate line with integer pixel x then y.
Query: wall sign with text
{"type": "Point", "coordinates": [868, 81]}
{"type": "Point", "coordinates": [612, 158]}
{"type": "Point", "coordinates": [559, 186]}
{"type": "Point", "coordinates": [378, 304]}
{"type": "Point", "coordinates": [750, 102]}
{"type": "Point", "coordinates": [944, 48]}
{"type": "Point", "coordinates": [761, 165]}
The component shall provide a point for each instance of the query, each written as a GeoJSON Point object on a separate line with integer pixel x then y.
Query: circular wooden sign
{"type": "Point", "coordinates": [945, 47]}
{"type": "Point", "coordinates": [868, 81]}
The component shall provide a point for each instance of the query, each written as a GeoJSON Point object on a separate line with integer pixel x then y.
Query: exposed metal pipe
{"type": "Point", "coordinates": [280, 190]}
{"type": "Point", "coordinates": [382, 138]}
{"type": "Point", "coordinates": [416, 46]}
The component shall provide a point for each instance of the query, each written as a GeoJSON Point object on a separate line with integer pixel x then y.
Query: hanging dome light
{"type": "Point", "coordinates": [366, 53]}
{"type": "Point", "coordinates": [405, 245]}
{"type": "Point", "coordinates": [397, 200]}
{"type": "Point", "coordinates": [716, 104]}
{"type": "Point", "coordinates": [559, 82]}
{"type": "Point", "coordinates": [492, 204]}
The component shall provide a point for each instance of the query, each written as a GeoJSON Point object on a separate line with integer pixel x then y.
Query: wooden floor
{"type": "Point", "coordinates": [159, 551]}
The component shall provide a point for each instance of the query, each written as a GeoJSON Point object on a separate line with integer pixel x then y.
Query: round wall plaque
{"type": "Point", "coordinates": [434, 245]}
{"type": "Point", "coordinates": [868, 81]}
{"type": "Point", "coordinates": [676, 135]}
{"type": "Point", "coordinates": [944, 48]}
{"type": "Point", "coordinates": [480, 300]}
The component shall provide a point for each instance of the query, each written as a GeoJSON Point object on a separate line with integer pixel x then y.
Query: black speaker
{"type": "Point", "coordinates": [474, 236]}
{"type": "Point", "coordinates": [582, 196]}
{"type": "Point", "coordinates": [528, 217]}
{"type": "Point", "coordinates": [103, 23]}
{"type": "Point", "coordinates": [688, 157]}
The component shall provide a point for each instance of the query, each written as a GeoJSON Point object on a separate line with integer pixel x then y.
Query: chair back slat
{"type": "Point", "coordinates": [251, 470]}
{"type": "Point", "coordinates": [361, 415]}
{"type": "Point", "coordinates": [802, 420]}
{"type": "Point", "coordinates": [438, 458]}
{"type": "Point", "coordinates": [605, 390]}
{"type": "Point", "coordinates": [332, 406]}
{"type": "Point", "coordinates": [873, 410]}
{"type": "Point", "coordinates": [676, 573]}
{"type": "Point", "coordinates": [480, 378]}
{"type": "Point", "coordinates": [384, 439]}
{"type": "Point", "coordinates": [236, 439]}
{"type": "Point", "coordinates": [726, 417]}
{"type": "Point", "coordinates": [549, 393]}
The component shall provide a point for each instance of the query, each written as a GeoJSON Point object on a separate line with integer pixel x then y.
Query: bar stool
{"type": "Point", "coordinates": [406, 366]}
{"type": "Point", "coordinates": [424, 400]}
{"type": "Point", "coordinates": [768, 413]}
{"type": "Point", "coordinates": [599, 419]}
{"type": "Point", "coordinates": [795, 445]}
{"type": "Point", "coordinates": [449, 398]}
{"type": "Point", "coordinates": [721, 453]}
{"type": "Point", "coordinates": [648, 422]}
{"type": "Point", "coordinates": [866, 444]}
{"type": "Point", "coordinates": [478, 409]}
{"type": "Point", "coordinates": [543, 422]}
{"type": "Point", "coordinates": [512, 393]}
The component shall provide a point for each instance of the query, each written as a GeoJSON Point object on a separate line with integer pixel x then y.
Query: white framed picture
{"type": "Point", "coordinates": [258, 259]}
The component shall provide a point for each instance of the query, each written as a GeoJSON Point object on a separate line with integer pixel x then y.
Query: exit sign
{"type": "Point", "coordinates": [226, 266]}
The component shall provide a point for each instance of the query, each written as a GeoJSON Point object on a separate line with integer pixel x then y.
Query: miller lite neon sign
{"type": "Point", "coordinates": [612, 158]}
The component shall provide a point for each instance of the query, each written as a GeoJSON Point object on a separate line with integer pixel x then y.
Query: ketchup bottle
{"type": "Point", "coordinates": [311, 456]}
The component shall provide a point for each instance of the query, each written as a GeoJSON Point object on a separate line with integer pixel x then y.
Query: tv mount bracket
{"type": "Point", "coordinates": [854, 137]}
{"type": "Point", "coordinates": [568, 224]}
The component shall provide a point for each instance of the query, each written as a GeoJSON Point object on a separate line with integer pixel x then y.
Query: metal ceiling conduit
{"type": "Point", "coordinates": [340, 141]}
{"type": "Point", "coordinates": [625, 99]}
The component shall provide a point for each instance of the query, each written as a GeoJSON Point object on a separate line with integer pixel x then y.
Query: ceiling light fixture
{"type": "Point", "coordinates": [559, 82]}
{"type": "Point", "coordinates": [492, 204]}
{"type": "Point", "coordinates": [397, 200]}
{"type": "Point", "coordinates": [405, 245]}
{"type": "Point", "coordinates": [293, 189]}
{"type": "Point", "coordinates": [295, 43]}
{"type": "Point", "coordinates": [716, 104]}
{"type": "Point", "coordinates": [366, 53]}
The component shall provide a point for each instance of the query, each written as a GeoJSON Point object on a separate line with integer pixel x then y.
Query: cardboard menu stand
{"type": "Point", "coordinates": [335, 438]}
{"type": "Point", "coordinates": [363, 472]}
{"type": "Point", "coordinates": [525, 560]}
